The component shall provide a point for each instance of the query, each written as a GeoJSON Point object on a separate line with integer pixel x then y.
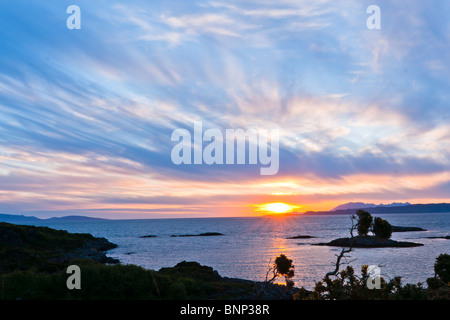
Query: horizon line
{"type": "Point", "coordinates": [274, 215]}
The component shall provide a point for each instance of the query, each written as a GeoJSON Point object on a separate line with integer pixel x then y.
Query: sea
{"type": "Point", "coordinates": [249, 245]}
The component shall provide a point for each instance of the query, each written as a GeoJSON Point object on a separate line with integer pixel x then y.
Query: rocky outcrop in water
{"type": "Point", "coordinates": [406, 229]}
{"type": "Point", "coordinates": [206, 234]}
{"type": "Point", "coordinates": [301, 237]}
{"type": "Point", "coordinates": [369, 242]}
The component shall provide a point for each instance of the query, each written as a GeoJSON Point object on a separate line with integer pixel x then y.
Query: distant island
{"type": "Point", "coordinates": [12, 218]}
{"type": "Point", "coordinates": [411, 208]}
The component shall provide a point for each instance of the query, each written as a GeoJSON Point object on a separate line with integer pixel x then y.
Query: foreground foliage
{"type": "Point", "coordinates": [347, 286]}
{"type": "Point", "coordinates": [187, 280]}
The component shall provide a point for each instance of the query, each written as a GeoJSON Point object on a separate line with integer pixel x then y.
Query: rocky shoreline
{"type": "Point", "coordinates": [24, 247]}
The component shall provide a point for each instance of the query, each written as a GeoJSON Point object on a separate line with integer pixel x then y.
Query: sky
{"type": "Point", "coordinates": [87, 114]}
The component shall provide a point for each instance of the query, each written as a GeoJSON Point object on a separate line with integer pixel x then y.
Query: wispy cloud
{"type": "Point", "coordinates": [362, 114]}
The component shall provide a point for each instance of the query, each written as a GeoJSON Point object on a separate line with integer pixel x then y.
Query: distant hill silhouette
{"type": "Point", "coordinates": [74, 218]}
{"type": "Point", "coordinates": [12, 218]}
{"type": "Point", "coordinates": [362, 205]}
{"type": "Point", "coordinates": [412, 208]}
{"type": "Point", "coordinates": [17, 218]}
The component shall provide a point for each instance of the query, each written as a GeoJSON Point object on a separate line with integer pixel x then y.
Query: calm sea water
{"type": "Point", "coordinates": [250, 244]}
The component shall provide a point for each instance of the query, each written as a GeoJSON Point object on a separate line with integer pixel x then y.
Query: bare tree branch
{"type": "Point", "coordinates": [273, 270]}
{"type": "Point", "coordinates": [344, 250]}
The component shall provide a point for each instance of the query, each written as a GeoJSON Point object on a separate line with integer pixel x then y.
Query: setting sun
{"type": "Point", "coordinates": [277, 207]}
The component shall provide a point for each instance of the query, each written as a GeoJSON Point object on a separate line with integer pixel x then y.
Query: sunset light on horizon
{"type": "Point", "coordinates": [277, 207]}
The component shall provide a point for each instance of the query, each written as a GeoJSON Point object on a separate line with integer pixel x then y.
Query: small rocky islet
{"type": "Point", "coordinates": [406, 229]}
{"type": "Point", "coordinates": [301, 237]}
{"type": "Point", "coordinates": [369, 242]}
{"type": "Point", "coordinates": [372, 241]}
{"type": "Point", "coordinates": [205, 234]}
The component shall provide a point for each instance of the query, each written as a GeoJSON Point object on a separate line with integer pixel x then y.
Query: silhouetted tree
{"type": "Point", "coordinates": [364, 222]}
{"type": "Point", "coordinates": [381, 228]}
{"type": "Point", "coordinates": [439, 285]}
{"type": "Point", "coordinates": [442, 267]}
{"type": "Point", "coordinates": [282, 266]}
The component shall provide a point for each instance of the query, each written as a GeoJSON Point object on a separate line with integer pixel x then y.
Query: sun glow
{"type": "Point", "coordinates": [276, 207]}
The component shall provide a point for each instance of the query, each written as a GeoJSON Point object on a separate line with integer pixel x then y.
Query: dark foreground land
{"type": "Point", "coordinates": [34, 262]}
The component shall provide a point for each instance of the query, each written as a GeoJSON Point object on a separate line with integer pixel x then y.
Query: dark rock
{"type": "Point", "coordinates": [406, 229]}
{"type": "Point", "coordinates": [301, 237]}
{"type": "Point", "coordinates": [148, 236]}
{"type": "Point", "coordinates": [439, 237]}
{"type": "Point", "coordinates": [369, 242]}
{"type": "Point", "coordinates": [206, 234]}
{"type": "Point", "coordinates": [193, 270]}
